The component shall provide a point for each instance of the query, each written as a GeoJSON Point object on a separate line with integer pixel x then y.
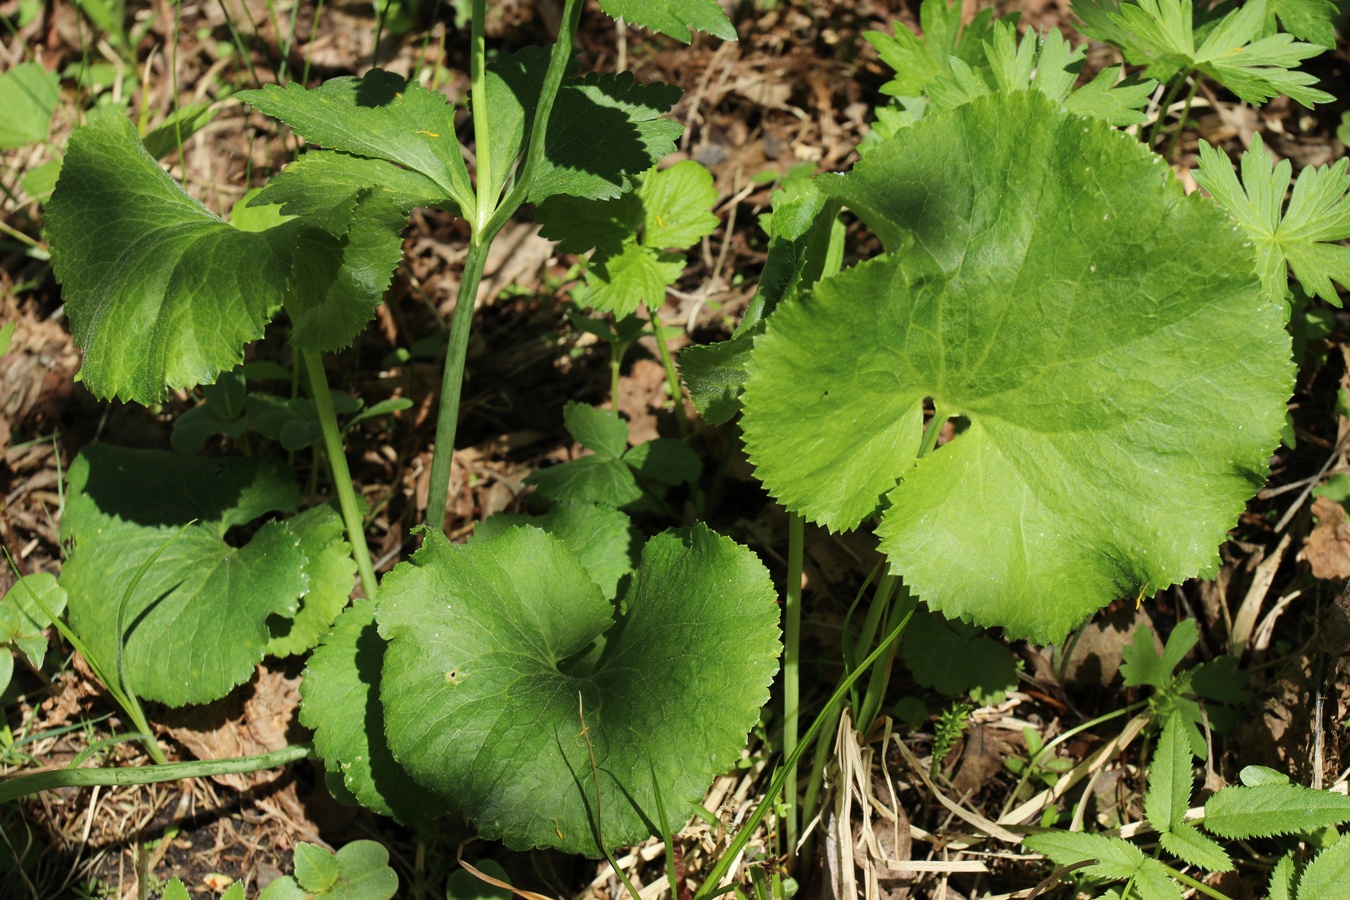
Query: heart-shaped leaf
{"type": "Point", "coordinates": [196, 623]}
{"type": "Point", "coordinates": [1122, 377]}
{"type": "Point", "coordinates": [487, 679]}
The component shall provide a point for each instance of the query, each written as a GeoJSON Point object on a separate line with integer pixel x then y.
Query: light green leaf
{"type": "Point", "coordinates": [675, 19]}
{"type": "Point", "coordinates": [379, 115]}
{"type": "Point", "coordinates": [676, 204]}
{"type": "Point", "coordinates": [955, 659]}
{"type": "Point", "coordinates": [1269, 809]}
{"type": "Point", "coordinates": [635, 276]}
{"type": "Point", "coordinates": [588, 479]}
{"type": "Point", "coordinates": [322, 179]}
{"type": "Point", "coordinates": [681, 680]}
{"type": "Point", "coordinates": [1307, 20]}
{"type": "Point", "coordinates": [28, 97]}
{"type": "Point", "coordinates": [196, 624]}
{"type": "Point", "coordinates": [24, 613]}
{"type": "Point", "coordinates": [1187, 843]}
{"type": "Point", "coordinates": [1326, 876]}
{"type": "Point", "coordinates": [341, 703]}
{"type": "Point", "coordinates": [1117, 860]}
{"type": "Point", "coordinates": [919, 61]}
{"type": "Point", "coordinates": [1169, 778]}
{"type": "Point", "coordinates": [6, 668]}
{"type": "Point", "coordinates": [601, 538]}
{"type": "Point", "coordinates": [598, 430]}
{"type": "Point", "coordinates": [7, 335]}
{"type": "Point", "coordinates": [1282, 878]}
{"type": "Point", "coordinates": [1141, 663]}
{"type": "Point", "coordinates": [715, 377]}
{"type": "Point", "coordinates": [1252, 776]}
{"type": "Point", "coordinates": [359, 871]}
{"type": "Point", "coordinates": [179, 125]}
{"type": "Point", "coordinates": [284, 888]}
{"type": "Point", "coordinates": [39, 181]}
{"type": "Point", "coordinates": [1304, 237]}
{"type": "Point", "coordinates": [331, 572]}
{"type": "Point", "coordinates": [315, 868]}
{"type": "Point", "coordinates": [1145, 373]}
{"type": "Point", "coordinates": [175, 890]}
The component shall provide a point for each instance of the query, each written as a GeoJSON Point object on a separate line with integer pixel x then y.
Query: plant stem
{"type": "Point", "coordinates": [1193, 883]}
{"type": "Point", "coordinates": [452, 380]}
{"type": "Point", "coordinates": [482, 132]}
{"type": "Point", "coordinates": [342, 476]}
{"type": "Point", "coordinates": [672, 377]}
{"type": "Point", "coordinates": [452, 385]}
{"type": "Point", "coordinates": [14, 788]}
{"type": "Point", "coordinates": [1162, 110]}
{"type": "Point", "coordinates": [792, 630]}
{"type": "Point", "coordinates": [1181, 123]}
{"type": "Point", "coordinates": [900, 605]}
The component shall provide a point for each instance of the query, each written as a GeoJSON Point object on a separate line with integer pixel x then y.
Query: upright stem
{"type": "Point", "coordinates": [1181, 123]}
{"type": "Point", "coordinates": [342, 476]}
{"type": "Point", "coordinates": [672, 377]}
{"type": "Point", "coordinates": [452, 385]}
{"type": "Point", "coordinates": [792, 630]}
{"type": "Point", "coordinates": [485, 230]}
{"type": "Point", "coordinates": [482, 132]}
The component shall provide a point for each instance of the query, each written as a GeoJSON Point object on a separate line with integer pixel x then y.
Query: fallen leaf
{"type": "Point", "coordinates": [1328, 548]}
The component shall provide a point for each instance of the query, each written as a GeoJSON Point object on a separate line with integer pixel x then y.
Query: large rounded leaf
{"type": "Point", "coordinates": [486, 681]}
{"type": "Point", "coordinates": [1122, 376]}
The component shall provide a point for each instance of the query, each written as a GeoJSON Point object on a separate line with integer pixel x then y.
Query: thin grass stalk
{"type": "Point", "coordinates": [792, 630]}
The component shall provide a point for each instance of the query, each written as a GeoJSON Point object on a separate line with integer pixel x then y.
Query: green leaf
{"type": "Point", "coordinates": [588, 479]}
{"type": "Point", "coordinates": [340, 702]}
{"type": "Point", "coordinates": [153, 298]}
{"type": "Point", "coordinates": [28, 97]}
{"type": "Point", "coordinates": [676, 204]}
{"type": "Point", "coordinates": [1304, 237]}
{"type": "Point", "coordinates": [715, 377]}
{"type": "Point", "coordinates": [598, 430]}
{"type": "Point", "coordinates": [7, 335]}
{"type": "Point", "coordinates": [1117, 860]}
{"type": "Point", "coordinates": [179, 125]}
{"type": "Point", "coordinates": [635, 276]}
{"type": "Point", "coordinates": [359, 871]}
{"type": "Point", "coordinates": [1169, 778]}
{"type": "Point", "coordinates": [331, 572]}
{"type": "Point", "coordinates": [6, 668]}
{"type": "Point", "coordinates": [1269, 809]}
{"type": "Point", "coordinates": [580, 225]}
{"type": "Point", "coordinates": [1187, 843]}
{"type": "Point", "coordinates": [321, 179]}
{"type": "Point", "coordinates": [665, 461]}
{"type": "Point", "coordinates": [175, 890]}
{"type": "Point", "coordinates": [954, 659]}
{"type": "Point", "coordinates": [1326, 876]}
{"type": "Point", "coordinates": [605, 129]}
{"type": "Point", "coordinates": [379, 115]}
{"type": "Point", "coordinates": [1308, 20]}
{"type": "Point", "coordinates": [464, 885]}
{"type": "Point", "coordinates": [1252, 776]}
{"type": "Point", "coordinates": [1146, 374]}
{"type": "Point", "coordinates": [919, 61]}
{"type": "Point", "coordinates": [24, 614]}
{"type": "Point", "coordinates": [675, 19]}
{"type": "Point", "coordinates": [315, 868]}
{"type": "Point", "coordinates": [196, 624]}
{"type": "Point", "coordinates": [681, 680]}
{"type": "Point", "coordinates": [284, 888]}
{"type": "Point", "coordinates": [1282, 878]}
{"type": "Point", "coordinates": [1143, 666]}
{"type": "Point", "coordinates": [601, 538]}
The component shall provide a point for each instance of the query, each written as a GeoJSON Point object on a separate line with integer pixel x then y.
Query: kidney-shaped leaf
{"type": "Point", "coordinates": [1121, 373]}
{"type": "Point", "coordinates": [486, 681]}
{"type": "Point", "coordinates": [196, 624]}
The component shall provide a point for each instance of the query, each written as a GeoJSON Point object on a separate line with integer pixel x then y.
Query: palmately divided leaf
{"type": "Point", "coordinates": [379, 115]}
{"type": "Point", "coordinates": [1123, 379]}
{"type": "Point", "coordinates": [919, 61]}
{"type": "Point", "coordinates": [1303, 237]}
{"type": "Point", "coordinates": [680, 681]}
{"type": "Point", "coordinates": [1307, 20]}
{"type": "Point", "coordinates": [1270, 809]}
{"type": "Point", "coordinates": [331, 572]}
{"type": "Point", "coordinates": [196, 624]}
{"type": "Point", "coordinates": [341, 702]}
{"type": "Point", "coordinates": [1187, 843]}
{"type": "Point", "coordinates": [675, 18]}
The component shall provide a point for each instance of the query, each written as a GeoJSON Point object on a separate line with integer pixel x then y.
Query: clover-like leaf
{"type": "Point", "coordinates": [331, 572]}
{"type": "Point", "coordinates": [358, 871]}
{"type": "Point", "coordinates": [379, 115]}
{"type": "Point", "coordinates": [1122, 378]}
{"type": "Point", "coordinates": [196, 623]}
{"type": "Point", "coordinates": [341, 703]}
{"type": "Point", "coordinates": [1303, 237]}
{"type": "Point", "coordinates": [675, 18]}
{"type": "Point", "coordinates": [488, 678]}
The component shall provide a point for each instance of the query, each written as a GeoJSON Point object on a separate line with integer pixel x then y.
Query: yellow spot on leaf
{"type": "Point", "coordinates": [428, 133]}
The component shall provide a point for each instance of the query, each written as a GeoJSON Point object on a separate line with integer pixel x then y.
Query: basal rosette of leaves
{"type": "Point", "coordinates": [497, 649]}
{"type": "Point", "coordinates": [1120, 374]}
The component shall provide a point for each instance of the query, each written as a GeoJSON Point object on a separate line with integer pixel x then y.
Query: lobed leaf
{"type": "Point", "coordinates": [196, 625]}
{"type": "Point", "coordinates": [1303, 238]}
{"type": "Point", "coordinates": [1269, 809]}
{"type": "Point", "coordinates": [378, 115]}
{"type": "Point", "coordinates": [341, 703]}
{"type": "Point", "coordinates": [919, 61]}
{"type": "Point", "coordinates": [679, 683]}
{"type": "Point", "coordinates": [332, 574]}
{"type": "Point", "coordinates": [1049, 283]}
{"type": "Point", "coordinates": [675, 18]}
{"type": "Point", "coordinates": [26, 611]}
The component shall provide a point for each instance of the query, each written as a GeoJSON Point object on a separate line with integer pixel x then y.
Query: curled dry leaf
{"type": "Point", "coordinates": [1328, 547]}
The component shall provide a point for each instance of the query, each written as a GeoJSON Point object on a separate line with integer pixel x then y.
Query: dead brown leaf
{"type": "Point", "coordinates": [1328, 548]}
